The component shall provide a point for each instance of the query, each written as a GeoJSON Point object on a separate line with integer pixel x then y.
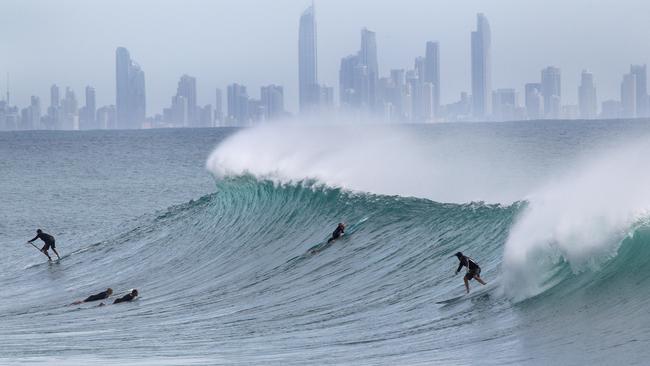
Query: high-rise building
{"type": "Point", "coordinates": [641, 82]}
{"type": "Point", "coordinates": [368, 58]}
{"type": "Point", "coordinates": [347, 94]}
{"type": "Point", "coordinates": [481, 68]}
{"type": "Point", "coordinates": [31, 116]}
{"type": "Point", "coordinates": [187, 89]}
{"type": "Point", "coordinates": [272, 98]}
{"type": "Point", "coordinates": [587, 101]}
{"type": "Point", "coordinates": [70, 120]}
{"type": "Point", "coordinates": [218, 108]}
{"type": "Point", "coordinates": [238, 105]}
{"type": "Point", "coordinates": [54, 96]}
{"type": "Point", "coordinates": [432, 72]}
{"type": "Point", "coordinates": [179, 111]}
{"type": "Point", "coordinates": [628, 96]}
{"type": "Point", "coordinates": [534, 100]}
{"type": "Point", "coordinates": [358, 76]}
{"type": "Point", "coordinates": [130, 95]}
{"type": "Point", "coordinates": [552, 91]}
{"type": "Point", "coordinates": [307, 61]}
{"type": "Point", "coordinates": [87, 114]}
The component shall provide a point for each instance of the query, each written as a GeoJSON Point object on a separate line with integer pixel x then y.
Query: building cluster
{"type": "Point", "coordinates": [403, 95]}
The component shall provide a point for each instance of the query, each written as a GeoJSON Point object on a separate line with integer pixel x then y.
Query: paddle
{"type": "Point", "coordinates": [39, 249]}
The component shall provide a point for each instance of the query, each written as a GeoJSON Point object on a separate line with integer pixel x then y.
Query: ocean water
{"type": "Point", "coordinates": [214, 227]}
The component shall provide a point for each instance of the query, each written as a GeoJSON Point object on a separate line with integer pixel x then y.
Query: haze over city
{"type": "Point", "coordinates": [72, 43]}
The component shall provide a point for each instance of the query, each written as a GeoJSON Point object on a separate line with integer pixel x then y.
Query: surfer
{"type": "Point", "coordinates": [128, 297]}
{"type": "Point", "coordinates": [100, 296]}
{"type": "Point", "coordinates": [340, 230]}
{"type": "Point", "coordinates": [473, 270]}
{"type": "Point", "coordinates": [49, 243]}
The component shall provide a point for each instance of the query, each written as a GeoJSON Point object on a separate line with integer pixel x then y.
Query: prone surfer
{"type": "Point", "coordinates": [49, 243]}
{"type": "Point", "coordinates": [100, 296]}
{"type": "Point", "coordinates": [340, 230]}
{"type": "Point", "coordinates": [128, 297]}
{"type": "Point", "coordinates": [473, 270]}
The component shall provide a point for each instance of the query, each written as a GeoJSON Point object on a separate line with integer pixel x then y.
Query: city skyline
{"type": "Point", "coordinates": [215, 59]}
{"type": "Point", "coordinates": [403, 95]}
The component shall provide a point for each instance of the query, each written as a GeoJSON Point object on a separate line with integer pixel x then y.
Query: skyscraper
{"type": "Point", "coordinates": [307, 61]}
{"type": "Point", "coordinates": [432, 73]}
{"type": "Point", "coordinates": [358, 76]}
{"type": "Point", "coordinates": [534, 100]}
{"type": "Point", "coordinates": [130, 94]}
{"type": "Point", "coordinates": [481, 68]}
{"type": "Point", "coordinates": [587, 101]}
{"type": "Point", "coordinates": [272, 98]}
{"type": "Point", "coordinates": [187, 89]}
{"type": "Point", "coordinates": [368, 58]}
{"type": "Point", "coordinates": [346, 81]}
{"type": "Point", "coordinates": [218, 108]}
{"type": "Point", "coordinates": [628, 96]}
{"type": "Point", "coordinates": [552, 91]}
{"type": "Point", "coordinates": [87, 114]}
{"type": "Point", "coordinates": [237, 105]}
{"type": "Point", "coordinates": [641, 82]}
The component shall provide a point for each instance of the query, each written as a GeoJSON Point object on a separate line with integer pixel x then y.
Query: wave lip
{"type": "Point", "coordinates": [408, 162]}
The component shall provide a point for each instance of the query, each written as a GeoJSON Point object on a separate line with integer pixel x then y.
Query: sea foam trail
{"type": "Point", "coordinates": [379, 159]}
{"type": "Point", "coordinates": [580, 219]}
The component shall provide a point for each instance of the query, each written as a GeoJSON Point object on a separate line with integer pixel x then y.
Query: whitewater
{"type": "Point", "coordinates": [215, 226]}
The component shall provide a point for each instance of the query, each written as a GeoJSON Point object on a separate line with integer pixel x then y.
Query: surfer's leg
{"type": "Point", "coordinates": [476, 277]}
{"type": "Point", "coordinates": [57, 253]}
{"type": "Point", "coordinates": [466, 284]}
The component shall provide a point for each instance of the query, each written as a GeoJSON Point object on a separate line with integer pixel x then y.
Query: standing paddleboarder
{"type": "Point", "coordinates": [49, 243]}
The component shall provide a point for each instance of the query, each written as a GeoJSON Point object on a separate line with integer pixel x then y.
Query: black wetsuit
{"type": "Point", "coordinates": [99, 296]}
{"type": "Point", "coordinates": [127, 297]}
{"type": "Point", "coordinates": [47, 239]}
{"type": "Point", "coordinates": [337, 233]}
{"type": "Point", "coordinates": [473, 267]}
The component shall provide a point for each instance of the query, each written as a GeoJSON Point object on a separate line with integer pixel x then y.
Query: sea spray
{"type": "Point", "coordinates": [579, 220]}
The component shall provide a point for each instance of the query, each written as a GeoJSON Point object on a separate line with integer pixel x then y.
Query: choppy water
{"type": "Point", "coordinates": [555, 214]}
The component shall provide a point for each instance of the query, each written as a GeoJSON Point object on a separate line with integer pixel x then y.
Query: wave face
{"type": "Point", "coordinates": [228, 278]}
{"type": "Point", "coordinates": [232, 272]}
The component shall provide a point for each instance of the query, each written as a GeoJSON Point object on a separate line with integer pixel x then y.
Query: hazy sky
{"type": "Point", "coordinates": [254, 42]}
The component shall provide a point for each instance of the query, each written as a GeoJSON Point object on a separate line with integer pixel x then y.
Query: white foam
{"type": "Point", "coordinates": [386, 159]}
{"type": "Point", "coordinates": [580, 218]}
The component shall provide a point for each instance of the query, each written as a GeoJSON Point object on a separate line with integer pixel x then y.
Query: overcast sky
{"type": "Point", "coordinates": [254, 42]}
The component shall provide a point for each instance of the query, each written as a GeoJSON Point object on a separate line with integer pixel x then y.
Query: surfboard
{"type": "Point", "coordinates": [452, 300]}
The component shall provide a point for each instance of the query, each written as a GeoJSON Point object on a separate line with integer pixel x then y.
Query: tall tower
{"type": "Point", "coordinates": [481, 67]}
{"type": "Point", "coordinates": [187, 89]}
{"type": "Point", "coordinates": [307, 61]}
{"type": "Point", "coordinates": [432, 72]}
{"type": "Point", "coordinates": [130, 93]}
{"type": "Point", "coordinates": [641, 76]}
{"type": "Point", "coordinates": [552, 91]}
{"type": "Point", "coordinates": [368, 58]}
{"type": "Point", "coordinates": [587, 101]}
{"type": "Point", "coordinates": [122, 66]}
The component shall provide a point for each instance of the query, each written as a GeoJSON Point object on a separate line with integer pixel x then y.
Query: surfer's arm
{"type": "Point", "coordinates": [36, 237]}
{"type": "Point", "coordinates": [460, 266]}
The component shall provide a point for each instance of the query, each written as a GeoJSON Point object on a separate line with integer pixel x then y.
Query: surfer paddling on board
{"type": "Point", "coordinates": [49, 243]}
{"type": "Point", "coordinates": [100, 296]}
{"type": "Point", "coordinates": [473, 270]}
{"type": "Point", "coordinates": [340, 230]}
{"type": "Point", "coordinates": [128, 297]}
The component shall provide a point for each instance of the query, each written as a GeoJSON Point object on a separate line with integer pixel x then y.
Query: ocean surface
{"type": "Point", "coordinates": [214, 227]}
